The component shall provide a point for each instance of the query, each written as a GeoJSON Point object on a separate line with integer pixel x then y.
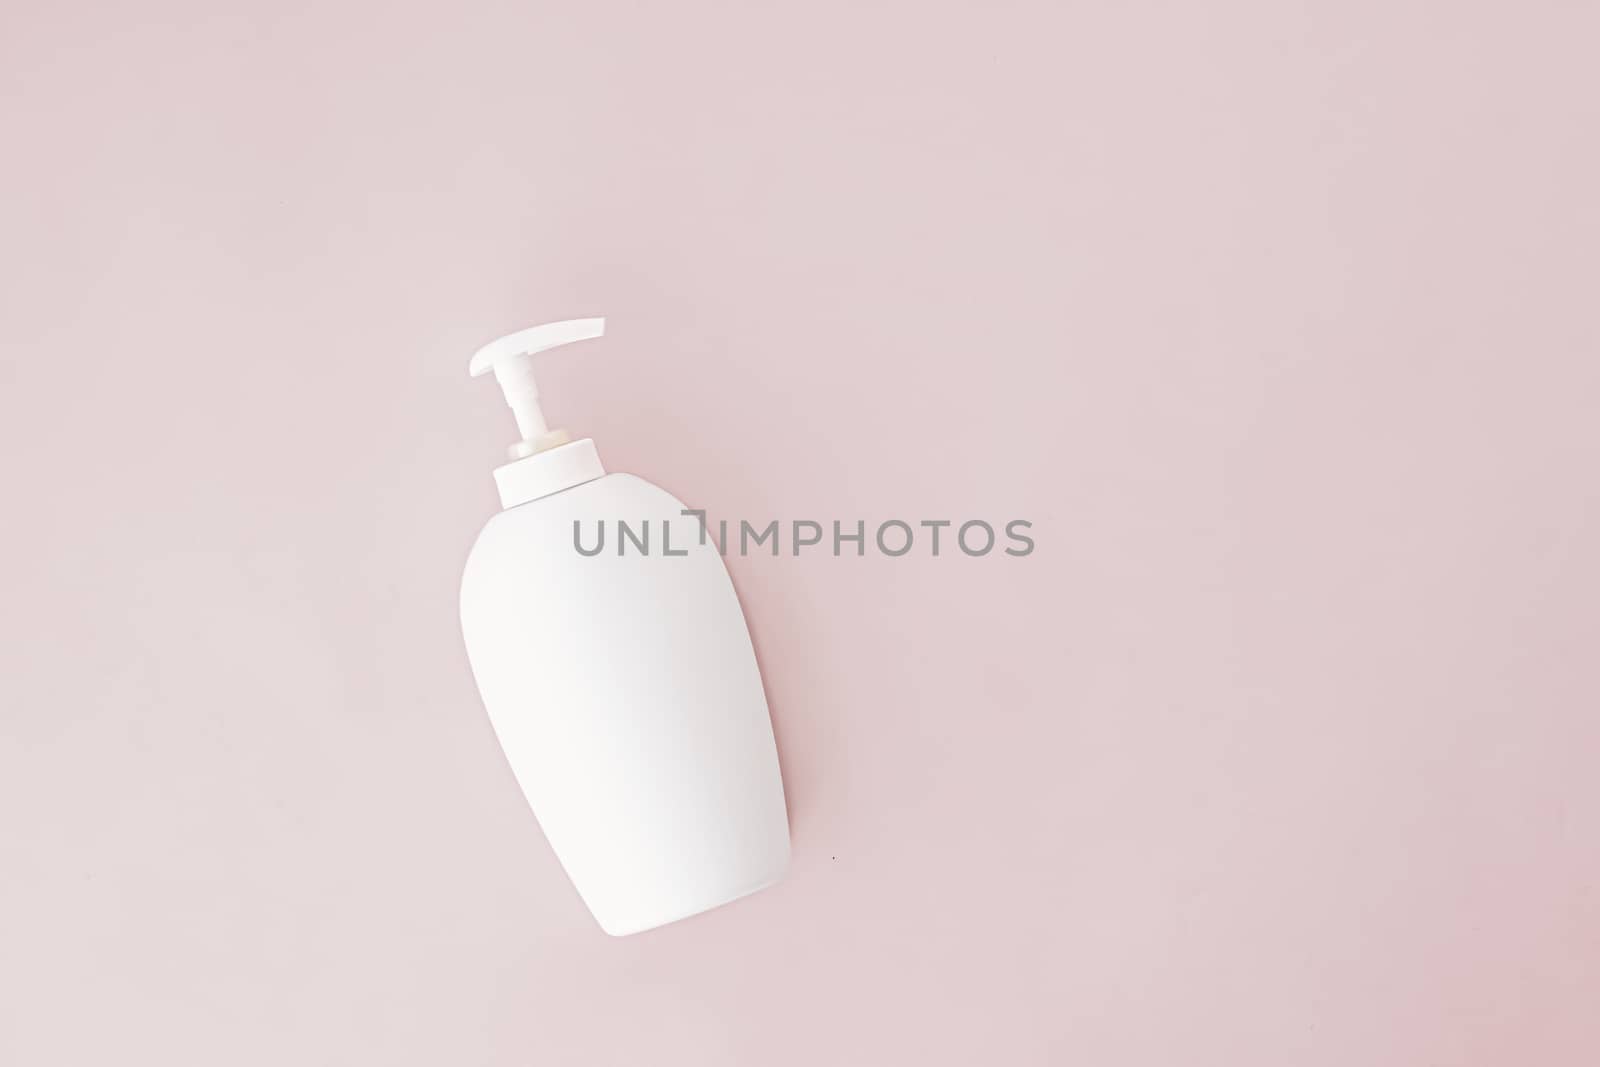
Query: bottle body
{"type": "Point", "coordinates": [624, 689]}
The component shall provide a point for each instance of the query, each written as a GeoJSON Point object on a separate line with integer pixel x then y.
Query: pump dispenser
{"type": "Point", "coordinates": [545, 461]}
{"type": "Point", "coordinates": [616, 667]}
{"type": "Point", "coordinates": [511, 359]}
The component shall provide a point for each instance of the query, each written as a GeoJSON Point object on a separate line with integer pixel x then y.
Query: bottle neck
{"type": "Point", "coordinates": [547, 472]}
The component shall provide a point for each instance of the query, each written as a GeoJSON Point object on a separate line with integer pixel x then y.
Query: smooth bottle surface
{"type": "Point", "coordinates": [624, 689]}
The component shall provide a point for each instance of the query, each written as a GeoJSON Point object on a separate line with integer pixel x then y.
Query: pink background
{"type": "Point", "coordinates": [1277, 320]}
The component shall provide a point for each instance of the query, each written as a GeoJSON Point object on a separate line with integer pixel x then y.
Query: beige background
{"type": "Point", "coordinates": [1276, 319]}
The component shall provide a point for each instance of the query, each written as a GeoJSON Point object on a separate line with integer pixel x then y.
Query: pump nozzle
{"type": "Point", "coordinates": [511, 359]}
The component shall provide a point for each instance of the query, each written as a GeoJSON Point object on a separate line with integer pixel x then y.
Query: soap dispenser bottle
{"type": "Point", "coordinates": [613, 658]}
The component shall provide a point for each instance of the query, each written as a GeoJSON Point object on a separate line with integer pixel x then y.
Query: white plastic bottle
{"type": "Point", "coordinates": [622, 685]}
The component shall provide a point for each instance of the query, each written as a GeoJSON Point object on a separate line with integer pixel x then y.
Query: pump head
{"type": "Point", "coordinates": [511, 359]}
